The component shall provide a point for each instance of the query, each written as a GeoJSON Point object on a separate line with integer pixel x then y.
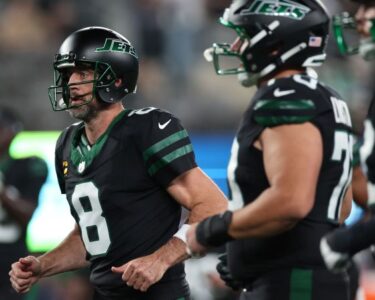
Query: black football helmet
{"type": "Point", "coordinates": [108, 53]}
{"type": "Point", "coordinates": [348, 39]}
{"type": "Point", "coordinates": [275, 35]}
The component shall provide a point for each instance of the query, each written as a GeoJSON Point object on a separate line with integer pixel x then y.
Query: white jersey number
{"type": "Point", "coordinates": [343, 145]}
{"type": "Point", "coordinates": [94, 228]}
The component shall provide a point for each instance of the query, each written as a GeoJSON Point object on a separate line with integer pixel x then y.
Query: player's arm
{"type": "Point", "coordinates": [359, 185]}
{"type": "Point", "coordinates": [359, 179]}
{"type": "Point", "coordinates": [292, 157]}
{"type": "Point", "coordinates": [20, 205]}
{"type": "Point", "coordinates": [292, 178]}
{"type": "Point", "coordinates": [69, 255]}
{"type": "Point", "coordinates": [20, 208]}
{"type": "Point", "coordinates": [195, 191]}
{"type": "Point", "coordinates": [346, 205]}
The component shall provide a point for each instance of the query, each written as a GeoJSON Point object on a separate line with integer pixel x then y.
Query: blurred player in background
{"type": "Point", "coordinates": [291, 160]}
{"type": "Point", "coordinates": [20, 183]}
{"type": "Point", "coordinates": [338, 247]}
{"type": "Point", "coordinates": [130, 178]}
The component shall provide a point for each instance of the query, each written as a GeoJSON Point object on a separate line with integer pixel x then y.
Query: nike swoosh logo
{"type": "Point", "coordinates": [278, 93]}
{"type": "Point", "coordinates": [162, 126]}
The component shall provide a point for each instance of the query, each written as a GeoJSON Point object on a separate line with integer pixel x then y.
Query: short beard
{"type": "Point", "coordinates": [85, 112]}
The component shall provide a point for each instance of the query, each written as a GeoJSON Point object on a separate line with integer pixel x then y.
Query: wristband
{"type": "Point", "coordinates": [181, 232]}
{"type": "Point", "coordinates": [213, 231]}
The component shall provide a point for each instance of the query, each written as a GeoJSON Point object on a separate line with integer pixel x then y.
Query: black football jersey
{"type": "Point", "coordinates": [116, 190]}
{"type": "Point", "coordinates": [291, 100]}
{"type": "Point", "coordinates": [27, 176]}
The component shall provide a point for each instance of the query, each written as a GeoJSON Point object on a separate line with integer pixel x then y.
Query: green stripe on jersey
{"type": "Point", "coordinates": [301, 284]}
{"type": "Point", "coordinates": [169, 158]}
{"type": "Point", "coordinates": [284, 104]}
{"type": "Point", "coordinates": [77, 155]}
{"type": "Point", "coordinates": [155, 148]}
{"type": "Point", "coordinates": [279, 120]}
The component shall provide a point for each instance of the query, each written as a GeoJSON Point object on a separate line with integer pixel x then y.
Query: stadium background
{"type": "Point", "coordinates": [170, 36]}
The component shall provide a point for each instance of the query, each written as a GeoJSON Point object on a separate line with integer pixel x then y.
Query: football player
{"type": "Point", "coordinates": [129, 175]}
{"type": "Point", "coordinates": [338, 247]}
{"type": "Point", "coordinates": [291, 160]}
{"type": "Point", "coordinates": [21, 180]}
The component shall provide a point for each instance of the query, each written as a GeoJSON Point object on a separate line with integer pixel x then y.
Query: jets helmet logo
{"type": "Point", "coordinates": [115, 45]}
{"type": "Point", "coordinates": [282, 8]}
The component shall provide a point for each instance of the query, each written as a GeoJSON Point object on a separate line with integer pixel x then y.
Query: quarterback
{"type": "Point", "coordinates": [130, 178]}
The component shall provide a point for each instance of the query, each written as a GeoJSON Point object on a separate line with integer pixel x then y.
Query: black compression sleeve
{"type": "Point", "coordinates": [353, 239]}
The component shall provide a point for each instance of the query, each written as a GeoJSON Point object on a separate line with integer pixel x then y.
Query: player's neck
{"type": "Point", "coordinates": [97, 126]}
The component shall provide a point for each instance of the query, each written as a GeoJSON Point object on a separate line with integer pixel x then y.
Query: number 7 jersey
{"type": "Point", "coordinates": [292, 100]}
{"type": "Point", "coordinates": [116, 188]}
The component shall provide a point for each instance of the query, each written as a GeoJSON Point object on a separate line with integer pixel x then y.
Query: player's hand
{"type": "Point", "coordinates": [194, 249]}
{"type": "Point", "coordinates": [24, 273]}
{"type": "Point", "coordinates": [225, 275]}
{"type": "Point", "coordinates": [335, 261]}
{"type": "Point", "coordinates": [142, 272]}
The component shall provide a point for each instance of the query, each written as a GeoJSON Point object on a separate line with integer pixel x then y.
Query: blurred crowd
{"type": "Point", "coordinates": [170, 36]}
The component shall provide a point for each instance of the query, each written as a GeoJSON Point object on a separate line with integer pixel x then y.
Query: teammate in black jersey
{"type": "Point", "coordinates": [20, 182]}
{"type": "Point", "coordinates": [338, 247]}
{"type": "Point", "coordinates": [130, 178]}
{"type": "Point", "coordinates": [291, 160]}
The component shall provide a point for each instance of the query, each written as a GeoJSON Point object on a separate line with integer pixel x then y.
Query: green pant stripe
{"type": "Point", "coordinates": [301, 284]}
{"type": "Point", "coordinates": [169, 158]}
{"type": "Point", "coordinates": [164, 143]}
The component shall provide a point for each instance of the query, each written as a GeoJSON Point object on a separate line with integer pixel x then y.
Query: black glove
{"type": "Point", "coordinates": [335, 261]}
{"type": "Point", "coordinates": [222, 268]}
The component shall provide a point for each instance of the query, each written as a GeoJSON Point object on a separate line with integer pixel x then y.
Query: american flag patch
{"type": "Point", "coordinates": [315, 41]}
